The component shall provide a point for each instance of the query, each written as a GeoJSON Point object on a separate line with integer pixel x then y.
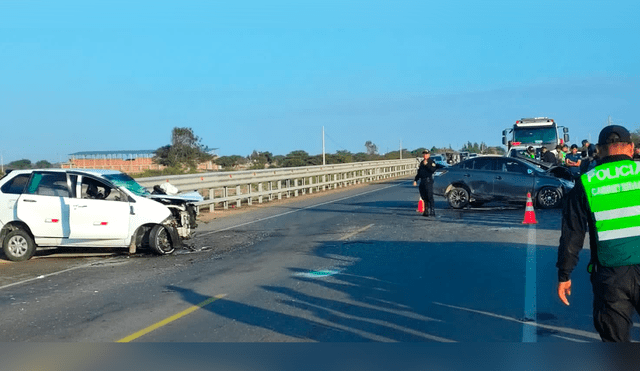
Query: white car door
{"type": "Point", "coordinates": [99, 211]}
{"type": "Point", "coordinates": [10, 192]}
{"type": "Point", "coordinates": [44, 206]}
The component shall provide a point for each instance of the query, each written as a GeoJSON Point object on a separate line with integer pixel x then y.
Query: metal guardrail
{"type": "Point", "coordinates": [257, 185]}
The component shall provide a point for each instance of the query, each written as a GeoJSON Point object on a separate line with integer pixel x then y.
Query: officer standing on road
{"type": "Point", "coordinates": [606, 202]}
{"type": "Point", "coordinates": [425, 174]}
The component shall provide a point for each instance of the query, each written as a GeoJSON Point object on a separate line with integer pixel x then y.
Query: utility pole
{"type": "Point", "coordinates": [401, 149]}
{"type": "Point", "coordinates": [323, 158]}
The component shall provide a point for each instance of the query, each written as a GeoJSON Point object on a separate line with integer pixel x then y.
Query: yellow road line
{"type": "Point", "coordinates": [170, 319]}
{"type": "Point", "coordinates": [356, 232]}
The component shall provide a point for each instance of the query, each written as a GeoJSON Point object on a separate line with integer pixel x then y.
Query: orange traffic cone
{"type": "Point", "coordinates": [529, 214]}
{"type": "Point", "coordinates": [420, 206]}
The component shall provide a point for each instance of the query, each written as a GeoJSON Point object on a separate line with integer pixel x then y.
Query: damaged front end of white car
{"type": "Point", "coordinates": [179, 226]}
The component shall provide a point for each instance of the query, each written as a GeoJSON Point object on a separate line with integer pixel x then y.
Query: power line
{"type": "Point", "coordinates": [335, 142]}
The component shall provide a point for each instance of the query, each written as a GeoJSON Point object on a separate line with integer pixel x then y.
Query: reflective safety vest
{"type": "Point", "coordinates": [613, 194]}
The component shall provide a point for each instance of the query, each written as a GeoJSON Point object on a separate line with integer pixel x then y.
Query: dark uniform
{"type": "Point", "coordinates": [613, 240]}
{"type": "Point", "coordinates": [425, 174]}
{"type": "Point", "coordinates": [548, 156]}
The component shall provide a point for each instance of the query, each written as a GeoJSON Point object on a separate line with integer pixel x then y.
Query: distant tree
{"type": "Point", "coordinates": [229, 162]}
{"type": "Point", "coordinates": [260, 160]}
{"type": "Point", "coordinates": [495, 151]}
{"type": "Point", "coordinates": [417, 152]}
{"type": "Point", "coordinates": [340, 157]}
{"type": "Point", "coordinates": [314, 160]}
{"type": "Point", "coordinates": [372, 149]}
{"type": "Point", "coordinates": [473, 148]}
{"type": "Point", "coordinates": [295, 159]}
{"type": "Point", "coordinates": [185, 151]}
{"type": "Point", "coordinates": [393, 155]}
{"type": "Point", "coordinates": [361, 157]}
{"type": "Point", "coordinates": [277, 160]}
{"type": "Point", "coordinates": [43, 164]}
{"type": "Point", "coordinates": [20, 164]}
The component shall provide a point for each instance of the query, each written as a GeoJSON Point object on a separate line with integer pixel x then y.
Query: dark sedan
{"type": "Point", "coordinates": [494, 178]}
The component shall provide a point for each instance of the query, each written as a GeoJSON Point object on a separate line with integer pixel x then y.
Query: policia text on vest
{"type": "Point", "coordinates": [605, 203]}
{"type": "Point", "coordinates": [616, 211]}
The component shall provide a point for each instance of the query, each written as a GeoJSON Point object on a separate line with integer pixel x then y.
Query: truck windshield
{"type": "Point", "coordinates": [124, 180]}
{"type": "Point", "coordinates": [535, 135]}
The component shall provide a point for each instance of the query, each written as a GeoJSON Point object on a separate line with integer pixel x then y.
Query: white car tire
{"type": "Point", "coordinates": [18, 245]}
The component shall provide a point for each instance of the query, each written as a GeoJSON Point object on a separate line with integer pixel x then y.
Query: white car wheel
{"type": "Point", "coordinates": [160, 240]}
{"type": "Point", "coordinates": [18, 245]}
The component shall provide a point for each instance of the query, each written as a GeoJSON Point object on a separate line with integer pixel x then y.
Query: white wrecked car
{"type": "Point", "coordinates": [89, 208]}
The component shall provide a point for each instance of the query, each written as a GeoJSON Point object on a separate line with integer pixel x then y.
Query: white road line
{"type": "Point", "coordinates": [346, 237]}
{"type": "Point", "coordinates": [529, 335]}
{"type": "Point", "coordinates": [296, 210]}
{"type": "Point", "coordinates": [591, 335]}
{"type": "Point", "coordinates": [52, 274]}
{"type": "Point", "coordinates": [570, 339]}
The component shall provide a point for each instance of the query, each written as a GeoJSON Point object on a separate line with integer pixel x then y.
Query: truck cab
{"type": "Point", "coordinates": [536, 132]}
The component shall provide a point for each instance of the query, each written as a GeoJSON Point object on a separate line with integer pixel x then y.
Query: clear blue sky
{"type": "Point", "coordinates": [268, 75]}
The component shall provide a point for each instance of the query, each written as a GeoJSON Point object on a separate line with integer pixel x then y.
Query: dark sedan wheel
{"type": "Point", "coordinates": [549, 198]}
{"type": "Point", "coordinates": [458, 198]}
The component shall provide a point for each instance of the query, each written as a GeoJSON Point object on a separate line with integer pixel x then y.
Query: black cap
{"type": "Point", "coordinates": [614, 134]}
{"type": "Point", "coordinates": [585, 142]}
{"type": "Point", "coordinates": [574, 146]}
{"type": "Point", "coordinates": [425, 152]}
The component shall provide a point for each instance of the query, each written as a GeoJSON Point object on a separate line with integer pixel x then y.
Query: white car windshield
{"type": "Point", "coordinates": [124, 180]}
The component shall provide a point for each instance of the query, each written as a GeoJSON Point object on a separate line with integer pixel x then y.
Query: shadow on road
{"type": "Point", "coordinates": [393, 291]}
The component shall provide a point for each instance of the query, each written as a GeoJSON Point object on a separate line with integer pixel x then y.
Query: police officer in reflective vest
{"type": "Point", "coordinates": [606, 202]}
{"type": "Point", "coordinates": [425, 174]}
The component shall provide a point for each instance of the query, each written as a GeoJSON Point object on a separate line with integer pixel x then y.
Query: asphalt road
{"type": "Point", "coordinates": [359, 265]}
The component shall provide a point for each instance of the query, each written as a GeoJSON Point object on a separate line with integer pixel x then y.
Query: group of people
{"type": "Point", "coordinates": [578, 160]}
{"type": "Point", "coordinates": [605, 202]}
